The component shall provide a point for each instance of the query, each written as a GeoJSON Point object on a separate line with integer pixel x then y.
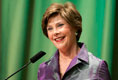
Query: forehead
{"type": "Point", "coordinates": [55, 19]}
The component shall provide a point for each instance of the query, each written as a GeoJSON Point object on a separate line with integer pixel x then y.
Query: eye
{"type": "Point", "coordinates": [60, 25]}
{"type": "Point", "coordinates": [49, 28]}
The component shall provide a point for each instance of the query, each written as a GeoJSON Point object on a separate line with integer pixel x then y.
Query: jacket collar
{"type": "Point", "coordinates": [54, 62]}
{"type": "Point", "coordinates": [83, 54]}
{"type": "Point", "coordinates": [81, 57]}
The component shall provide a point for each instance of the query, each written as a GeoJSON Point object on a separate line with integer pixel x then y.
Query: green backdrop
{"type": "Point", "coordinates": [21, 36]}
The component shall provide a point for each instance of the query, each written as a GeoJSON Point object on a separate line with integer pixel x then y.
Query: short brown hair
{"type": "Point", "coordinates": [68, 12]}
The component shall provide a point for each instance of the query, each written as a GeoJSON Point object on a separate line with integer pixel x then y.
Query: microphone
{"type": "Point", "coordinates": [32, 60]}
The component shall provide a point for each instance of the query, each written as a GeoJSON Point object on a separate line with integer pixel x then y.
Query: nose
{"type": "Point", "coordinates": [56, 31]}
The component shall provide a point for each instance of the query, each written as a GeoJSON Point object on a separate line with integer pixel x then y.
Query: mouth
{"type": "Point", "coordinates": [59, 39]}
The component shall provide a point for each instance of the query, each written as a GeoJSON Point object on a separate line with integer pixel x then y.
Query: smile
{"type": "Point", "coordinates": [59, 39]}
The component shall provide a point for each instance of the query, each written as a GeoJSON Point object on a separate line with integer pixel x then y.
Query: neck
{"type": "Point", "coordinates": [69, 53]}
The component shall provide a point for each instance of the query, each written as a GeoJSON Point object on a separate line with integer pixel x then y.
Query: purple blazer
{"type": "Point", "coordinates": [84, 66]}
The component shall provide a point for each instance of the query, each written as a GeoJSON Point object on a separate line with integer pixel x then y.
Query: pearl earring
{"type": "Point", "coordinates": [76, 33]}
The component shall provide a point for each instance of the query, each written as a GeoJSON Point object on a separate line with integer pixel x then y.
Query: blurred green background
{"type": "Point", "coordinates": [21, 36]}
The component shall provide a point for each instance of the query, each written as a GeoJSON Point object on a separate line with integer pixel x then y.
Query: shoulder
{"type": "Point", "coordinates": [103, 72]}
{"type": "Point", "coordinates": [44, 64]}
{"type": "Point", "coordinates": [42, 70]}
{"type": "Point", "coordinates": [97, 61]}
{"type": "Point", "coordinates": [100, 66]}
{"type": "Point", "coordinates": [94, 63]}
{"type": "Point", "coordinates": [49, 64]}
{"type": "Point", "coordinates": [94, 60]}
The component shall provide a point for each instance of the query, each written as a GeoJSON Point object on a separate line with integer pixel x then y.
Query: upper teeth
{"type": "Point", "coordinates": [58, 38]}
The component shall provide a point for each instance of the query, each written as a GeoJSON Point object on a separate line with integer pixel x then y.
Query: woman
{"type": "Point", "coordinates": [62, 24]}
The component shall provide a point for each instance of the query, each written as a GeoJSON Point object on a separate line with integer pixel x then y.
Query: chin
{"type": "Point", "coordinates": [60, 47]}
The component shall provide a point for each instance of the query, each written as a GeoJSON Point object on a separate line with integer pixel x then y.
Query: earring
{"type": "Point", "coordinates": [76, 33]}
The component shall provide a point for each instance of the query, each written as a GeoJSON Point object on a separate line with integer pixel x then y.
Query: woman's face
{"type": "Point", "coordinates": [61, 33]}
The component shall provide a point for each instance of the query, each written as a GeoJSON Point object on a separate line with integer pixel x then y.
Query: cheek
{"type": "Point", "coordinates": [72, 35]}
{"type": "Point", "coordinates": [50, 36]}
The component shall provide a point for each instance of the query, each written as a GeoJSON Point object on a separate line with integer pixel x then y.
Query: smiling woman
{"type": "Point", "coordinates": [61, 33]}
{"type": "Point", "coordinates": [62, 24]}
